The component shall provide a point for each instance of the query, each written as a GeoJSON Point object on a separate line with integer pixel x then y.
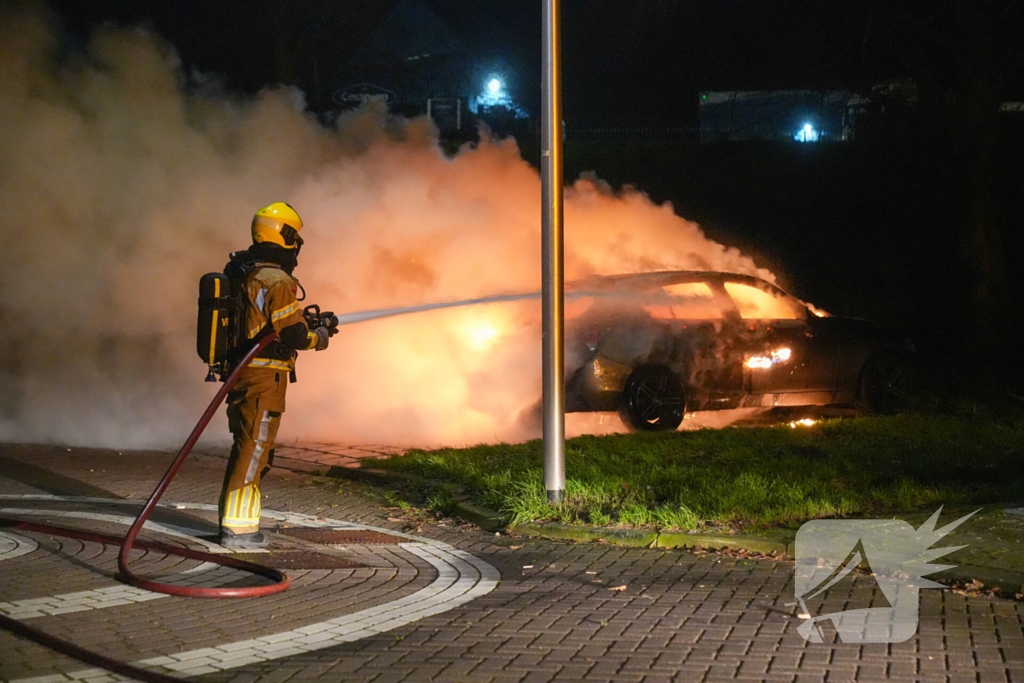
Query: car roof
{"type": "Point", "coordinates": [667, 277]}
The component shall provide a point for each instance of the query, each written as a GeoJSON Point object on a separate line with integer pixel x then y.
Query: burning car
{"type": "Point", "coordinates": [653, 346]}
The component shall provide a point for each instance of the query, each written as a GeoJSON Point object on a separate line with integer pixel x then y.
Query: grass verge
{"type": "Point", "coordinates": [742, 478]}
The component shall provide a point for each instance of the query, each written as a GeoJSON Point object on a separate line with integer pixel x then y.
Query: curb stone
{"type": "Point", "coordinates": [761, 544]}
{"type": "Point", "coordinates": [1010, 582]}
{"type": "Point", "coordinates": [366, 475]}
{"type": "Point", "coordinates": [637, 538]}
{"type": "Point", "coordinates": [488, 520]}
{"type": "Point", "coordinates": [650, 539]}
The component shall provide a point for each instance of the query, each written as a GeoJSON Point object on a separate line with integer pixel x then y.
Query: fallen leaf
{"type": "Point", "coordinates": [618, 588]}
{"type": "Point", "coordinates": [514, 547]}
{"type": "Point", "coordinates": [527, 566]}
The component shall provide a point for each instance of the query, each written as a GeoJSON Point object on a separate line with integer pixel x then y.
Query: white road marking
{"type": "Point", "coordinates": [13, 545]}
{"type": "Point", "coordinates": [125, 520]}
{"type": "Point", "coordinates": [462, 577]}
{"type": "Point", "coordinates": [296, 518]}
{"type": "Point", "coordinates": [206, 575]}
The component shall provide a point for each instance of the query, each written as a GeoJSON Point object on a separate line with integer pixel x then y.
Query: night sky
{"type": "Point", "coordinates": [638, 57]}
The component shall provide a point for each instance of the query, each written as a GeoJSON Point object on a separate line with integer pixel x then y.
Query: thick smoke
{"type": "Point", "coordinates": [122, 185]}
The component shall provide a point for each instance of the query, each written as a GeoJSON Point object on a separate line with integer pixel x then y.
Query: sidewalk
{"type": "Point", "coordinates": [511, 609]}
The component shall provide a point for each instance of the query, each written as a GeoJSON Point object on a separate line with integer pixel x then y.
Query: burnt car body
{"type": "Point", "coordinates": [653, 346]}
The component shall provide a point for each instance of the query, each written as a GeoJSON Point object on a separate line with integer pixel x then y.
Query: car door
{"type": "Point", "coordinates": [698, 318]}
{"type": "Point", "coordinates": [788, 354]}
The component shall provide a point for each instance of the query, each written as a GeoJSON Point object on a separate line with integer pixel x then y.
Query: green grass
{"type": "Point", "coordinates": [742, 477]}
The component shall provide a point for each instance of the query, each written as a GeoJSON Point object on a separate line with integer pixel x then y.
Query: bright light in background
{"type": "Point", "coordinates": [807, 134]}
{"type": "Point", "coordinates": [494, 93]}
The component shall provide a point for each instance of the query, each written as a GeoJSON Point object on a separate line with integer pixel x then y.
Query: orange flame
{"type": "Point", "coordinates": [767, 361]}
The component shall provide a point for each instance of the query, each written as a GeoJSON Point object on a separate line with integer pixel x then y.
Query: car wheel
{"type": "Point", "coordinates": [885, 383]}
{"type": "Point", "coordinates": [653, 399]}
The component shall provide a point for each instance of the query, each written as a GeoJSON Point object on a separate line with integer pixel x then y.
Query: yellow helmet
{"type": "Point", "coordinates": [278, 224]}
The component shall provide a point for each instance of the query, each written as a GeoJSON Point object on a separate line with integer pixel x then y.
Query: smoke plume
{"type": "Point", "coordinates": [124, 181]}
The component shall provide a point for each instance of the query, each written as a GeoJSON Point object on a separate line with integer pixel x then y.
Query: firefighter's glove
{"type": "Point", "coordinates": [323, 338]}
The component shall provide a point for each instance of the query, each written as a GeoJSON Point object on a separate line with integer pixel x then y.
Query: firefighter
{"type": "Point", "coordinates": [256, 402]}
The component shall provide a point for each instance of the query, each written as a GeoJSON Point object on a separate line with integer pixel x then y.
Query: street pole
{"type": "Point", "coordinates": [552, 259]}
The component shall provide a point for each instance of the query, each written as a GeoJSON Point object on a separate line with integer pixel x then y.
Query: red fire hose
{"type": "Point", "coordinates": [126, 575]}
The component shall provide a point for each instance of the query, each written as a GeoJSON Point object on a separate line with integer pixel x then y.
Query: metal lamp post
{"type": "Point", "coordinates": [552, 258]}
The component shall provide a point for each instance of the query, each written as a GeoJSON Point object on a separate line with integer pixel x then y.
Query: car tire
{"type": "Point", "coordinates": [886, 381]}
{"type": "Point", "coordinates": [653, 399]}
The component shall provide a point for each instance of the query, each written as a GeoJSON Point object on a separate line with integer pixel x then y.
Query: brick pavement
{"type": "Point", "coordinates": [554, 616]}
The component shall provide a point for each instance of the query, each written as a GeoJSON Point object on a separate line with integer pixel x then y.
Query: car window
{"type": "Point", "coordinates": [754, 303]}
{"type": "Point", "coordinates": [693, 289]}
{"type": "Point", "coordinates": [685, 301]}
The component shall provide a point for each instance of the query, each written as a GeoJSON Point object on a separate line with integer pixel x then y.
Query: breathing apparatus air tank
{"type": "Point", "coordinates": [214, 326]}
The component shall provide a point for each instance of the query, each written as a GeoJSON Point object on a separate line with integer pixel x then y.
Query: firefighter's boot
{"type": "Point", "coordinates": [230, 539]}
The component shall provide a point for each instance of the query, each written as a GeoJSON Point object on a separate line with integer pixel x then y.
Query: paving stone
{"type": "Point", "coordinates": [682, 617]}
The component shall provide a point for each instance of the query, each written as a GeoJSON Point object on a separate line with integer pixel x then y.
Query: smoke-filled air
{"type": "Point", "coordinates": [123, 182]}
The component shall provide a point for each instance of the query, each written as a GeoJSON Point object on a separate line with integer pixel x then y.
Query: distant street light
{"type": "Point", "coordinates": [807, 134]}
{"type": "Point", "coordinates": [494, 85]}
{"type": "Point", "coordinates": [552, 259]}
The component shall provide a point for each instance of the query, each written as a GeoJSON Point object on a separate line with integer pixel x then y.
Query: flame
{"type": "Point", "coordinates": [482, 336]}
{"type": "Point", "coordinates": [819, 312]}
{"type": "Point", "coordinates": [765, 362]}
{"type": "Point", "coordinates": [806, 422]}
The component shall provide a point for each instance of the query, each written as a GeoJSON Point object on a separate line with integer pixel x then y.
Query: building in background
{"type": "Point", "coordinates": [415, 64]}
{"type": "Point", "coordinates": [801, 115]}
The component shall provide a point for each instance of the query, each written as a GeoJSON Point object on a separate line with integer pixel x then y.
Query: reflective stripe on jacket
{"type": "Point", "coordinates": [273, 295]}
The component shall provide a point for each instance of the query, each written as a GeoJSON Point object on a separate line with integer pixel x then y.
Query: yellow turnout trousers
{"type": "Point", "coordinates": [255, 405]}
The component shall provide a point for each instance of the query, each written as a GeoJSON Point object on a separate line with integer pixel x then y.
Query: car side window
{"type": "Point", "coordinates": [685, 301]}
{"type": "Point", "coordinates": [757, 304]}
